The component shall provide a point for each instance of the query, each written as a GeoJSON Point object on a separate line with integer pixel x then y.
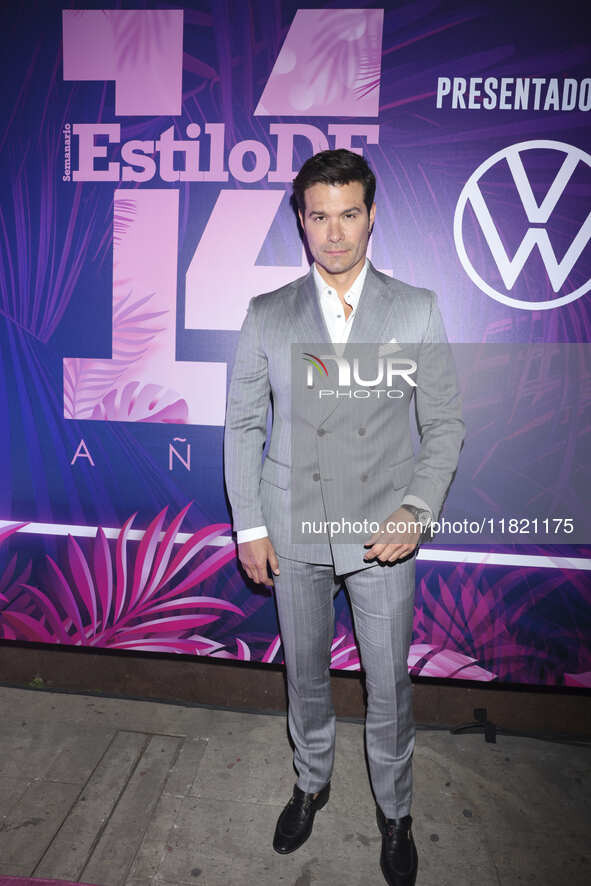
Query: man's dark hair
{"type": "Point", "coordinates": [334, 168]}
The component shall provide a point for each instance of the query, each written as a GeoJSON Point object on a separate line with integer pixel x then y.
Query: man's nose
{"type": "Point", "coordinates": [335, 231]}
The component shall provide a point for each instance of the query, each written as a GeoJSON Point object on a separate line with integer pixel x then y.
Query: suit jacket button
{"type": "Point", "coordinates": [361, 432]}
{"type": "Point", "coordinates": [316, 477]}
{"type": "Point", "coordinates": [321, 432]}
{"type": "Point", "coordinates": [363, 478]}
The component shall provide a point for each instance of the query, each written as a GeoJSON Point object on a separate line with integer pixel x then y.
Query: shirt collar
{"type": "Point", "coordinates": [353, 295]}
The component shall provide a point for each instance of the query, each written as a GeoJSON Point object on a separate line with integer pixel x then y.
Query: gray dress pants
{"type": "Point", "coordinates": [382, 601]}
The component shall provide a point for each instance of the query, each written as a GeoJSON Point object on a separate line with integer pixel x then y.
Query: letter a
{"type": "Point", "coordinates": [82, 452]}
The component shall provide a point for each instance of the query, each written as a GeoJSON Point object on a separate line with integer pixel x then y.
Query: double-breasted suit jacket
{"type": "Point", "coordinates": [333, 459]}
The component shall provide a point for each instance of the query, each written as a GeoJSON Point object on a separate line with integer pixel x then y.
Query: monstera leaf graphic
{"type": "Point", "coordinates": [150, 403]}
{"type": "Point", "coordinates": [125, 602]}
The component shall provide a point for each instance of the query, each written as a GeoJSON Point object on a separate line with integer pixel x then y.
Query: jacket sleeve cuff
{"type": "Point", "coordinates": [417, 502]}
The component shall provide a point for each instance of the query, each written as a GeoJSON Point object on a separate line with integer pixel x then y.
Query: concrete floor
{"type": "Point", "coordinates": [113, 792]}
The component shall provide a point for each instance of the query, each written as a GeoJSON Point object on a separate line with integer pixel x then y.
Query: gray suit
{"type": "Point", "coordinates": [373, 438]}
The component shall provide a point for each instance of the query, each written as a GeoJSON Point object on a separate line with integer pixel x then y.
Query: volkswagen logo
{"type": "Point", "coordinates": [537, 209]}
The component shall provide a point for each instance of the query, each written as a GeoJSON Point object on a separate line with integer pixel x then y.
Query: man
{"type": "Point", "coordinates": [341, 302]}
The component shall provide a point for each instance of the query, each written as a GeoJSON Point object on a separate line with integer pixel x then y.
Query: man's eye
{"type": "Point", "coordinates": [351, 215]}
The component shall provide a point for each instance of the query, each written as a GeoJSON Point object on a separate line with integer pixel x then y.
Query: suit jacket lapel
{"type": "Point", "coordinates": [309, 329]}
{"type": "Point", "coordinates": [308, 320]}
{"type": "Point", "coordinates": [369, 321]}
{"type": "Point", "coordinates": [372, 311]}
{"type": "Point", "coordinates": [368, 325]}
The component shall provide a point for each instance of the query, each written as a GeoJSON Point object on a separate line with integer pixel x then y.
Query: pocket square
{"type": "Point", "coordinates": [389, 347]}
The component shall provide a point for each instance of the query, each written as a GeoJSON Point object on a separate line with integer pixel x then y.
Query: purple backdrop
{"type": "Point", "coordinates": [147, 157]}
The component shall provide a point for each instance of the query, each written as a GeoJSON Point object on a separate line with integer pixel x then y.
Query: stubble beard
{"type": "Point", "coordinates": [340, 264]}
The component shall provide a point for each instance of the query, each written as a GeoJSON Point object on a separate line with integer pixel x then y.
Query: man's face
{"type": "Point", "coordinates": [337, 225]}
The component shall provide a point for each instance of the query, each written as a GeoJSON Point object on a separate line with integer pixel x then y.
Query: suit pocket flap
{"type": "Point", "coordinates": [276, 473]}
{"type": "Point", "coordinates": [401, 472]}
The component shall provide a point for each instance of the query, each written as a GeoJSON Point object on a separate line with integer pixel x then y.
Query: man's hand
{"type": "Point", "coordinates": [397, 537]}
{"type": "Point", "coordinates": [254, 556]}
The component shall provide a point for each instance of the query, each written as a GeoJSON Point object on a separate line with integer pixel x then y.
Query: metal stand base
{"type": "Point", "coordinates": [481, 722]}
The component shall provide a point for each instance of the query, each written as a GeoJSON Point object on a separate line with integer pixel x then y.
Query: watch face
{"type": "Point", "coordinates": [420, 515]}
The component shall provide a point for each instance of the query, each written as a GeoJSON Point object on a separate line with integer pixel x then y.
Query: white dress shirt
{"type": "Point", "coordinates": [339, 326]}
{"type": "Point", "coordinates": [339, 329]}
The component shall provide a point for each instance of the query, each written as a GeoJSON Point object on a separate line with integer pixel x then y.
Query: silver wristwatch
{"type": "Point", "coordinates": [420, 515]}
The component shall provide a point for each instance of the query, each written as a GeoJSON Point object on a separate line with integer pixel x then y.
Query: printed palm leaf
{"type": "Point", "coordinates": [87, 382]}
{"type": "Point", "coordinates": [344, 653]}
{"type": "Point", "coordinates": [242, 653]}
{"type": "Point", "coordinates": [11, 579]}
{"type": "Point", "coordinates": [423, 659]}
{"type": "Point", "coordinates": [139, 35]}
{"type": "Point", "coordinates": [563, 653]}
{"type": "Point", "coordinates": [483, 623]}
{"type": "Point", "coordinates": [142, 403]}
{"type": "Point", "coordinates": [118, 222]}
{"type": "Point", "coordinates": [272, 649]}
{"type": "Point", "coordinates": [581, 680]}
{"type": "Point", "coordinates": [345, 51]}
{"type": "Point", "coordinates": [45, 236]}
{"type": "Point", "coordinates": [344, 658]}
{"type": "Point", "coordinates": [124, 602]}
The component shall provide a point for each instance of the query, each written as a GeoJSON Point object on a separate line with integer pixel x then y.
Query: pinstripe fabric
{"type": "Point", "coordinates": [381, 596]}
{"type": "Point", "coordinates": [263, 494]}
{"type": "Point", "coordinates": [381, 599]}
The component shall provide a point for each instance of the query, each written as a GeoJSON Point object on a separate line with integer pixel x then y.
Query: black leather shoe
{"type": "Point", "coordinates": [399, 859]}
{"type": "Point", "coordinates": [294, 825]}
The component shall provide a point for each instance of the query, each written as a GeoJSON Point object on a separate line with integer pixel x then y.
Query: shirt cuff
{"type": "Point", "coordinates": [252, 534]}
{"type": "Point", "coordinates": [417, 502]}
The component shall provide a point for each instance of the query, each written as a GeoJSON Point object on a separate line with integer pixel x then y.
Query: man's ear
{"type": "Point", "coordinates": [301, 218]}
{"type": "Point", "coordinates": [372, 217]}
